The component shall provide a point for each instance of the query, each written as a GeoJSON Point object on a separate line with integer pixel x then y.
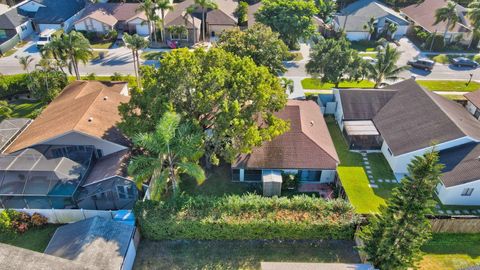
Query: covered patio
{"type": "Point", "coordinates": [362, 135]}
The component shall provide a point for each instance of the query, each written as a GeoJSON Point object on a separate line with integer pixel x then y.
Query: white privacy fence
{"type": "Point", "coordinates": [68, 215]}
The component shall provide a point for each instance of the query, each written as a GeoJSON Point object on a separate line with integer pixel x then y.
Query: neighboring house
{"type": "Point", "coordinates": [53, 14]}
{"type": "Point", "coordinates": [353, 18]}
{"type": "Point", "coordinates": [473, 103]}
{"type": "Point", "coordinates": [96, 242]}
{"type": "Point", "coordinates": [252, 9]}
{"type": "Point", "coordinates": [72, 155]}
{"type": "Point", "coordinates": [104, 17]}
{"type": "Point", "coordinates": [423, 15]}
{"type": "Point", "coordinates": [404, 120]}
{"type": "Point", "coordinates": [306, 149]}
{"type": "Point", "coordinates": [13, 28]}
{"type": "Point", "coordinates": [216, 20]}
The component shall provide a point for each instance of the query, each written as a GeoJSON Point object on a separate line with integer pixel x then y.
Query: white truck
{"type": "Point", "coordinates": [45, 37]}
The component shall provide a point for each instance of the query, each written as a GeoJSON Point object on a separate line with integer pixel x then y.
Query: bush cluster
{"type": "Point", "coordinates": [13, 84]}
{"type": "Point", "coordinates": [19, 222]}
{"type": "Point", "coordinates": [246, 217]}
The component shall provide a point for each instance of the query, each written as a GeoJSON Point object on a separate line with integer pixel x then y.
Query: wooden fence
{"type": "Point", "coordinates": [456, 224]}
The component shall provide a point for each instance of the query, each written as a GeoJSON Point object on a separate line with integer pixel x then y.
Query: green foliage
{"type": "Point", "coordinates": [292, 19]}
{"type": "Point", "coordinates": [246, 217]}
{"type": "Point", "coordinates": [135, 43]}
{"type": "Point", "coordinates": [290, 181]}
{"type": "Point", "coordinates": [438, 43]}
{"type": "Point", "coordinates": [385, 68]}
{"type": "Point", "coordinates": [12, 221]}
{"type": "Point", "coordinates": [173, 149]}
{"type": "Point", "coordinates": [393, 239]}
{"type": "Point", "coordinates": [326, 9]}
{"type": "Point", "coordinates": [47, 84]}
{"type": "Point", "coordinates": [12, 84]}
{"type": "Point", "coordinates": [259, 43]}
{"type": "Point", "coordinates": [242, 13]}
{"type": "Point", "coordinates": [449, 15]}
{"type": "Point", "coordinates": [5, 110]}
{"type": "Point", "coordinates": [333, 60]}
{"type": "Point", "coordinates": [221, 92]}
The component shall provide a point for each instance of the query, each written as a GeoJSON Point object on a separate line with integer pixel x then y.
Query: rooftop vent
{"type": "Point", "coordinates": [105, 98]}
{"type": "Point", "coordinates": [90, 119]}
{"type": "Point", "coordinates": [312, 123]}
{"type": "Point", "coordinates": [414, 77]}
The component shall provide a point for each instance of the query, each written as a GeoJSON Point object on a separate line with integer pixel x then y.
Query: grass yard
{"type": "Point", "coordinates": [34, 239]}
{"type": "Point", "coordinates": [244, 255]}
{"type": "Point", "coordinates": [368, 54]}
{"type": "Point", "coordinates": [451, 252]}
{"type": "Point", "coordinates": [9, 52]}
{"type": "Point", "coordinates": [130, 79]}
{"type": "Point", "coordinates": [312, 83]}
{"type": "Point", "coordinates": [25, 108]}
{"type": "Point", "coordinates": [364, 46]}
{"type": "Point", "coordinates": [295, 56]}
{"type": "Point", "coordinates": [218, 183]}
{"type": "Point", "coordinates": [449, 86]}
{"type": "Point", "coordinates": [347, 158]}
{"type": "Point", "coordinates": [445, 59]}
{"type": "Point", "coordinates": [152, 55]}
{"type": "Point", "coordinates": [102, 44]}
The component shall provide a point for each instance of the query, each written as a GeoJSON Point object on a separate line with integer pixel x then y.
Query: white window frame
{"type": "Point", "coordinates": [467, 191]}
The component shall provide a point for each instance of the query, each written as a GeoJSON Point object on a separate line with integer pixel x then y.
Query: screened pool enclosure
{"type": "Point", "coordinates": [44, 176]}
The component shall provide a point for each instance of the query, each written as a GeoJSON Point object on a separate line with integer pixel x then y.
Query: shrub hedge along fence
{"type": "Point", "coordinates": [13, 84]}
{"type": "Point", "coordinates": [246, 217]}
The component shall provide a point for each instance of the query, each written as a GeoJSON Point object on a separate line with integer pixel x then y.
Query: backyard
{"type": "Point", "coordinates": [25, 108]}
{"type": "Point", "coordinates": [239, 254]}
{"type": "Point", "coordinates": [34, 239]}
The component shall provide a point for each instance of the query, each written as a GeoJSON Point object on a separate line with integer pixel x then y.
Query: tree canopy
{"type": "Point", "coordinates": [292, 19]}
{"type": "Point", "coordinates": [229, 97]}
{"type": "Point", "coordinates": [259, 43]}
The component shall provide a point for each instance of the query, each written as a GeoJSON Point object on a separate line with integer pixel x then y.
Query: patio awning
{"type": "Point", "coordinates": [360, 128]}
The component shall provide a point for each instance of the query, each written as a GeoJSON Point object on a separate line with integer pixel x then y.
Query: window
{"type": "Point", "coordinates": [178, 36]}
{"type": "Point", "coordinates": [467, 191]}
{"type": "Point", "coordinates": [125, 192]}
{"type": "Point", "coordinates": [389, 151]}
{"type": "Point", "coordinates": [477, 113]}
{"type": "Point", "coordinates": [3, 34]}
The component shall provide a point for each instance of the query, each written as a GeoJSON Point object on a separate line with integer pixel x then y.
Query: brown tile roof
{"type": "Point", "coordinates": [423, 14]}
{"type": "Point", "coordinates": [221, 16]}
{"type": "Point", "coordinates": [111, 13]}
{"type": "Point", "coordinates": [307, 145]}
{"type": "Point", "coordinates": [414, 118]}
{"type": "Point", "coordinates": [462, 164]}
{"type": "Point", "coordinates": [474, 98]}
{"type": "Point", "coordinates": [71, 111]}
{"type": "Point", "coordinates": [363, 104]}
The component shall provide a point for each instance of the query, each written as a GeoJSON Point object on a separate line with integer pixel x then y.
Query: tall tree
{"type": "Point", "coordinates": [370, 27]}
{"type": "Point", "coordinates": [225, 94]}
{"type": "Point", "coordinates": [474, 16]}
{"type": "Point", "coordinates": [449, 14]}
{"type": "Point", "coordinates": [205, 5]}
{"type": "Point", "coordinates": [333, 60]}
{"type": "Point", "coordinates": [241, 12]}
{"type": "Point", "coordinates": [163, 6]}
{"type": "Point", "coordinates": [174, 148]}
{"type": "Point", "coordinates": [135, 43]}
{"type": "Point", "coordinates": [385, 68]}
{"type": "Point", "coordinates": [191, 11]}
{"type": "Point", "coordinates": [326, 9]}
{"type": "Point", "coordinates": [47, 84]}
{"type": "Point", "coordinates": [259, 43]}
{"type": "Point", "coordinates": [25, 62]}
{"type": "Point", "coordinates": [150, 9]}
{"type": "Point", "coordinates": [393, 239]}
{"type": "Point", "coordinates": [292, 19]}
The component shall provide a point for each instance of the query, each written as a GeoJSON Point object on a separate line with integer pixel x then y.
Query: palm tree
{"type": "Point", "coordinates": [385, 68]}
{"type": "Point", "coordinates": [190, 11]}
{"type": "Point", "coordinates": [25, 62]}
{"type": "Point", "coordinates": [474, 15]}
{"type": "Point", "coordinates": [449, 14]}
{"type": "Point", "coordinates": [205, 5]}
{"type": "Point", "coordinates": [5, 110]}
{"type": "Point", "coordinates": [392, 29]}
{"type": "Point", "coordinates": [148, 6]}
{"type": "Point", "coordinates": [174, 148]}
{"type": "Point", "coordinates": [164, 5]}
{"type": "Point", "coordinates": [370, 26]}
{"type": "Point", "coordinates": [135, 43]}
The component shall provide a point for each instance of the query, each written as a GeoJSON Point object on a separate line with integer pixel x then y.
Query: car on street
{"type": "Point", "coordinates": [45, 37]}
{"type": "Point", "coordinates": [464, 62]}
{"type": "Point", "coordinates": [422, 63]}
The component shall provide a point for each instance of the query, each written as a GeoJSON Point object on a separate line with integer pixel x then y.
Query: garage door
{"type": "Point", "coordinates": [142, 29]}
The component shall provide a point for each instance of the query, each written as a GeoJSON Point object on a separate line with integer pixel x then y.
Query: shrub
{"type": "Point", "coordinates": [13, 84]}
{"type": "Point", "coordinates": [38, 220]}
{"type": "Point", "coordinates": [290, 181]}
{"type": "Point", "coordinates": [12, 221]}
{"type": "Point", "coordinates": [246, 217]}
{"type": "Point", "coordinates": [438, 43]}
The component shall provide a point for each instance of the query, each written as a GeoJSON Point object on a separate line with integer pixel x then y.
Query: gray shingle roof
{"type": "Point", "coordinates": [56, 12]}
{"type": "Point", "coordinates": [462, 164]}
{"type": "Point", "coordinates": [361, 104]}
{"type": "Point", "coordinates": [96, 241]}
{"type": "Point", "coordinates": [11, 19]}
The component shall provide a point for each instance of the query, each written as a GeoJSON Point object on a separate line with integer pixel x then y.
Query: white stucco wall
{"type": "Point", "coordinates": [68, 24]}
{"type": "Point", "coordinates": [355, 36]}
{"type": "Point", "coordinates": [77, 138]}
{"type": "Point", "coordinates": [327, 176]}
{"type": "Point", "coordinates": [92, 25]}
{"type": "Point", "coordinates": [339, 111]}
{"type": "Point", "coordinates": [453, 195]}
{"type": "Point", "coordinates": [25, 30]}
{"type": "Point", "coordinates": [141, 27]}
{"type": "Point", "coordinates": [399, 163]}
{"type": "Point", "coordinates": [42, 27]}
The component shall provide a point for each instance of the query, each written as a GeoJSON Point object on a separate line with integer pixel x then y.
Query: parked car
{"type": "Point", "coordinates": [45, 37]}
{"type": "Point", "coordinates": [464, 62]}
{"type": "Point", "coordinates": [422, 63]}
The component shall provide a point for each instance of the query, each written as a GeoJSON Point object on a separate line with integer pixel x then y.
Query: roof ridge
{"type": "Point", "coordinates": [91, 103]}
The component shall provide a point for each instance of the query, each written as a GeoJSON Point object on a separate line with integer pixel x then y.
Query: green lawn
{"type": "Point", "coordinates": [347, 158]}
{"type": "Point", "coordinates": [25, 108]}
{"type": "Point", "coordinates": [369, 54]}
{"type": "Point", "coordinates": [364, 46]}
{"type": "Point", "coordinates": [295, 56]}
{"type": "Point", "coordinates": [34, 239]}
{"type": "Point", "coordinates": [451, 251]}
{"type": "Point", "coordinates": [9, 52]}
{"type": "Point", "coordinates": [449, 86]}
{"type": "Point", "coordinates": [244, 255]}
{"type": "Point", "coordinates": [312, 83]}
{"type": "Point", "coordinates": [380, 167]}
{"type": "Point", "coordinates": [102, 44]}
{"type": "Point", "coordinates": [445, 59]}
{"type": "Point", "coordinates": [152, 55]}
{"type": "Point", "coordinates": [130, 79]}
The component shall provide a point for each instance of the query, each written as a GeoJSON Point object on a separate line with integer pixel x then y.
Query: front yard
{"type": "Point", "coordinates": [239, 254]}
{"type": "Point", "coordinates": [316, 84]}
{"type": "Point", "coordinates": [449, 86]}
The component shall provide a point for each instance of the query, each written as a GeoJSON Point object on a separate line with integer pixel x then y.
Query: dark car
{"type": "Point", "coordinates": [464, 62]}
{"type": "Point", "coordinates": [422, 63]}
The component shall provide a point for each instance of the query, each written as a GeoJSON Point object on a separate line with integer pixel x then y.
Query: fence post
{"type": "Point", "coordinates": [83, 213]}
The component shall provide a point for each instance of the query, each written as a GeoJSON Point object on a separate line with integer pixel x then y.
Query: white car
{"type": "Point", "coordinates": [45, 37]}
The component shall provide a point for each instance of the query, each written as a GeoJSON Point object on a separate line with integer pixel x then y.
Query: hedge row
{"type": "Point", "coordinates": [12, 84]}
{"type": "Point", "coordinates": [246, 217]}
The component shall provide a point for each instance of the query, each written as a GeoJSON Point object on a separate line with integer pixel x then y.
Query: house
{"type": "Point", "coordinates": [72, 155]}
{"type": "Point", "coordinates": [423, 15]}
{"type": "Point", "coordinates": [353, 20]}
{"type": "Point", "coordinates": [13, 28]}
{"type": "Point", "coordinates": [403, 121]}
{"type": "Point", "coordinates": [104, 17]}
{"type": "Point", "coordinates": [473, 103]}
{"type": "Point", "coordinates": [306, 150]}
{"type": "Point", "coordinates": [216, 20]}
{"type": "Point", "coordinates": [96, 242]}
{"type": "Point", "coordinates": [53, 14]}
